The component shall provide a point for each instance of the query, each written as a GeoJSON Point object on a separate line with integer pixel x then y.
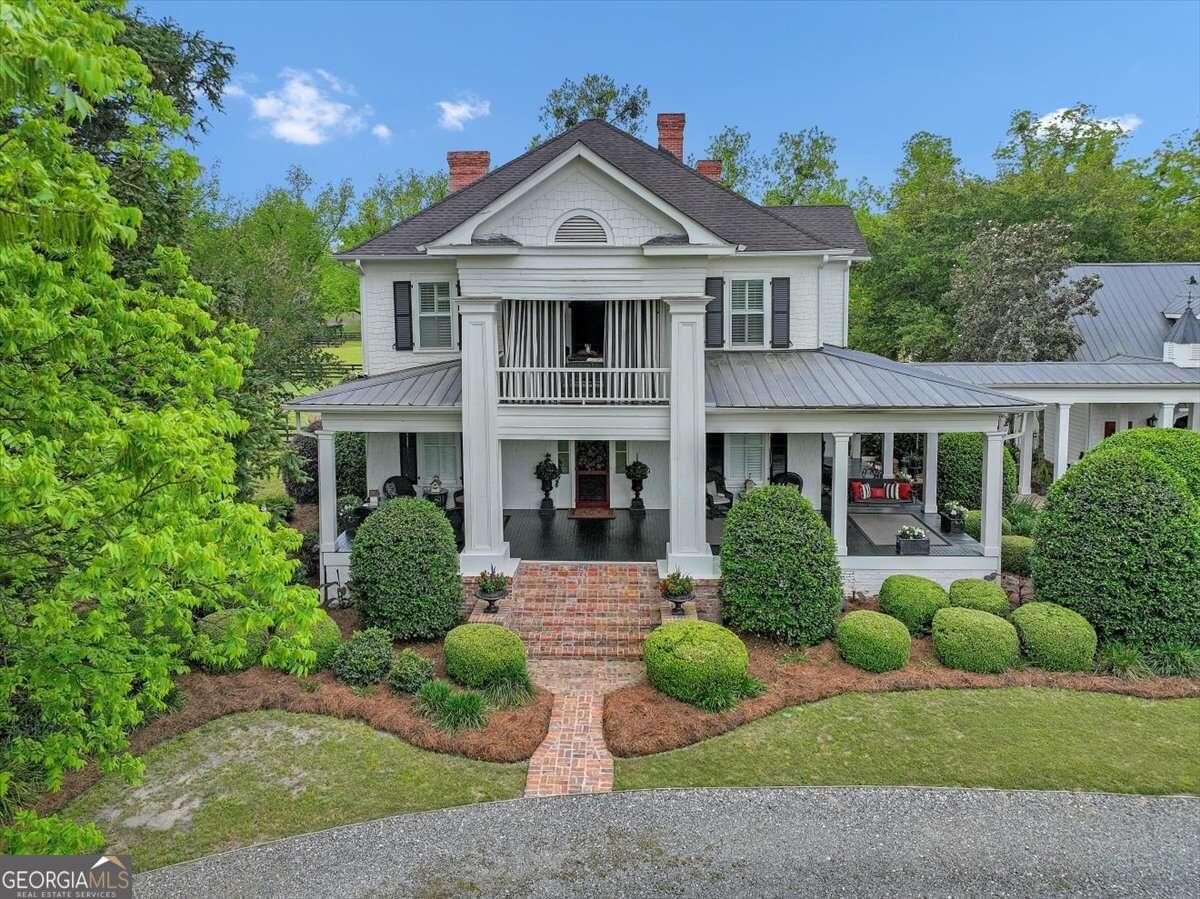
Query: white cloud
{"type": "Point", "coordinates": [382, 131]}
{"type": "Point", "coordinates": [1123, 123]}
{"type": "Point", "coordinates": [456, 113]}
{"type": "Point", "coordinates": [303, 110]}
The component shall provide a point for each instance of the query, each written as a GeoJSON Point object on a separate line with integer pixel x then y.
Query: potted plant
{"type": "Point", "coordinates": [912, 541]}
{"type": "Point", "coordinates": [676, 587]}
{"type": "Point", "coordinates": [952, 515]}
{"type": "Point", "coordinates": [548, 473]}
{"type": "Point", "coordinates": [492, 586]}
{"type": "Point", "coordinates": [637, 471]}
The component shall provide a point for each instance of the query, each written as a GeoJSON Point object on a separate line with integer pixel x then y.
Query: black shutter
{"type": "Point", "coordinates": [779, 459]}
{"type": "Point", "coordinates": [714, 316]}
{"type": "Point", "coordinates": [408, 456]}
{"type": "Point", "coordinates": [781, 312]}
{"type": "Point", "coordinates": [714, 453]}
{"type": "Point", "coordinates": [402, 311]}
{"type": "Point", "coordinates": [458, 293]}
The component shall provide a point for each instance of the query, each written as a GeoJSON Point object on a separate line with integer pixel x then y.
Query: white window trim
{"type": "Point", "coordinates": [450, 480]}
{"type": "Point", "coordinates": [595, 216]}
{"type": "Point", "coordinates": [453, 347]}
{"type": "Point", "coordinates": [730, 277]}
{"type": "Point", "coordinates": [736, 485]}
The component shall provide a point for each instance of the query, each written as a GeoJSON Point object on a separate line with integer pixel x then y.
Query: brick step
{"type": "Point", "coordinates": [628, 652]}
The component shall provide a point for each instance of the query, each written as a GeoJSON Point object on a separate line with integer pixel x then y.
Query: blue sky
{"type": "Point", "coordinates": [353, 89]}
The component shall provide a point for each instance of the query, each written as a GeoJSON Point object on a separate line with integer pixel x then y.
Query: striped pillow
{"type": "Point", "coordinates": [892, 490]}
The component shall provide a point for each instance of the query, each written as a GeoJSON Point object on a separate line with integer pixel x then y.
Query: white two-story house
{"type": "Point", "coordinates": [598, 301]}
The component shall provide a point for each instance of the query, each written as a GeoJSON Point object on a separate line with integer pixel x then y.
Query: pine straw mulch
{"type": "Point", "coordinates": [639, 720]}
{"type": "Point", "coordinates": [511, 735]}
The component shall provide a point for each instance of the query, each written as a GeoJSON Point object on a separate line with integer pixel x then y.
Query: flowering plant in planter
{"type": "Point", "coordinates": [903, 477]}
{"type": "Point", "coordinates": [911, 532]}
{"type": "Point", "coordinates": [547, 471]}
{"type": "Point", "coordinates": [637, 470]}
{"type": "Point", "coordinates": [676, 587]}
{"type": "Point", "coordinates": [492, 586]}
{"type": "Point", "coordinates": [953, 510]}
{"type": "Point", "coordinates": [912, 541]}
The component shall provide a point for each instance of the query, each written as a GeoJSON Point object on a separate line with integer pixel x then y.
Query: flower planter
{"type": "Point", "coordinates": [906, 546]}
{"type": "Point", "coordinates": [491, 598]}
{"type": "Point", "coordinates": [951, 524]}
{"type": "Point", "coordinates": [677, 602]}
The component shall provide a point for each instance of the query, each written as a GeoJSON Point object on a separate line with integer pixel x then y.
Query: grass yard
{"type": "Point", "coordinates": [257, 776]}
{"type": "Point", "coordinates": [350, 351]}
{"type": "Point", "coordinates": [1018, 738]}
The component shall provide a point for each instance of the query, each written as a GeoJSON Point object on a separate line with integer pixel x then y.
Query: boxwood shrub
{"type": "Point", "coordinates": [914, 600]}
{"type": "Point", "coordinates": [326, 639]}
{"type": "Point", "coordinates": [973, 524]}
{"type": "Point", "coordinates": [1055, 638]}
{"type": "Point", "coordinates": [976, 593]}
{"type": "Point", "coordinates": [1014, 554]}
{"type": "Point", "coordinates": [485, 655]}
{"type": "Point", "coordinates": [217, 627]}
{"type": "Point", "coordinates": [404, 570]}
{"type": "Point", "coordinates": [779, 570]}
{"type": "Point", "coordinates": [977, 641]}
{"type": "Point", "coordinates": [960, 470]}
{"type": "Point", "coordinates": [873, 641]}
{"type": "Point", "coordinates": [365, 658]}
{"type": "Point", "coordinates": [350, 462]}
{"type": "Point", "coordinates": [1179, 449]}
{"type": "Point", "coordinates": [1119, 542]}
{"type": "Point", "coordinates": [700, 663]}
{"type": "Point", "coordinates": [410, 672]}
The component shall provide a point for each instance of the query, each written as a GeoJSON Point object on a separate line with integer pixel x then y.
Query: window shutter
{"type": "Point", "coordinates": [714, 316]}
{"type": "Point", "coordinates": [781, 310]}
{"type": "Point", "coordinates": [402, 312]}
{"type": "Point", "coordinates": [458, 293]}
{"type": "Point", "coordinates": [408, 456]}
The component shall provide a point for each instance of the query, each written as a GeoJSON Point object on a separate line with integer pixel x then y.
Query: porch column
{"type": "Point", "coordinates": [1166, 415]}
{"type": "Point", "coordinates": [993, 494]}
{"type": "Point", "coordinates": [1063, 437]}
{"type": "Point", "coordinates": [841, 477]}
{"type": "Point", "coordinates": [889, 454]}
{"type": "Point", "coordinates": [1194, 417]}
{"type": "Point", "coordinates": [483, 497]}
{"type": "Point", "coordinates": [688, 549]}
{"type": "Point", "coordinates": [326, 491]}
{"type": "Point", "coordinates": [931, 472]}
{"type": "Point", "coordinates": [1026, 483]}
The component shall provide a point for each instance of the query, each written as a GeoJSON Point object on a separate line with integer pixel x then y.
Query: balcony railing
{"type": "Point", "coordinates": [579, 386]}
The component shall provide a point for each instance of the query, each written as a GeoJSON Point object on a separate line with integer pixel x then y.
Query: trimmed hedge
{"type": "Point", "coordinates": [873, 641]}
{"type": "Point", "coordinates": [326, 639]}
{"type": "Point", "coordinates": [779, 570]}
{"type": "Point", "coordinates": [1055, 638]}
{"type": "Point", "coordinates": [217, 627]}
{"type": "Point", "coordinates": [1179, 449]}
{"type": "Point", "coordinates": [410, 671]}
{"type": "Point", "coordinates": [365, 658]}
{"type": "Point", "coordinates": [404, 570]}
{"type": "Point", "coordinates": [973, 524]}
{"type": "Point", "coordinates": [484, 655]}
{"type": "Point", "coordinates": [698, 662]}
{"type": "Point", "coordinates": [976, 593]}
{"type": "Point", "coordinates": [1014, 554]}
{"type": "Point", "coordinates": [960, 470]}
{"type": "Point", "coordinates": [971, 640]}
{"type": "Point", "coordinates": [1118, 541]}
{"type": "Point", "coordinates": [914, 600]}
{"type": "Point", "coordinates": [350, 462]}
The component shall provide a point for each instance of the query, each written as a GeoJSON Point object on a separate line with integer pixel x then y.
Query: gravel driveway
{"type": "Point", "coordinates": [732, 843]}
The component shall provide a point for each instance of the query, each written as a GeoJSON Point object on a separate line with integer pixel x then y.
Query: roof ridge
{"type": "Point", "coordinates": [895, 367]}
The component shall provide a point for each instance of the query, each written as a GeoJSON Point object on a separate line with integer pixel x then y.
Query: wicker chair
{"type": "Point", "coordinates": [789, 478]}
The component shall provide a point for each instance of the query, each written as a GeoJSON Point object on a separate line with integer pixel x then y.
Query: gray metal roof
{"type": "Point", "coordinates": [1047, 374]}
{"type": "Point", "coordinates": [836, 378]}
{"type": "Point", "coordinates": [1132, 304]}
{"type": "Point", "coordinates": [1186, 328]}
{"type": "Point", "coordinates": [730, 216]}
{"type": "Point", "coordinates": [438, 385]}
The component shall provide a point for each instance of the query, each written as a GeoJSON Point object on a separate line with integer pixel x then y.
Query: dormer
{"type": "Point", "coordinates": [1182, 344]}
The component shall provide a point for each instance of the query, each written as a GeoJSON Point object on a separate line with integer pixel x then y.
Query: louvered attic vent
{"type": "Point", "coordinates": [580, 229]}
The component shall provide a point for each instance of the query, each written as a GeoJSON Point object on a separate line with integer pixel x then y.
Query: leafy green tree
{"type": "Point", "coordinates": [804, 170]}
{"type": "Point", "coordinates": [595, 96]}
{"type": "Point", "coordinates": [118, 522]}
{"type": "Point", "coordinates": [1169, 217]}
{"type": "Point", "coordinates": [389, 201]}
{"type": "Point", "coordinates": [742, 170]}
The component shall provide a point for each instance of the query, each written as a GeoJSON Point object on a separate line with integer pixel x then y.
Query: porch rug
{"type": "Point", "coordinates": [881, 527]}
{"type": "Point", "coordinates": [598, 514]}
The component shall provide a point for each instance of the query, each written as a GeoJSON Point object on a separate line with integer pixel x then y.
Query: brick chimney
{"type": "Point", "coordinates": [670, 133]}
{"type": "Point", "coordinates": [467, 167]}
{"type": "Point", "coordinates": [710, 169]}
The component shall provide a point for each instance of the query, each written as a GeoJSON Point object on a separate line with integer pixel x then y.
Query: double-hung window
{"type": "Point", "coordinates": [435, 328]}
{"type": "Point", "coordinates": [747, 312]}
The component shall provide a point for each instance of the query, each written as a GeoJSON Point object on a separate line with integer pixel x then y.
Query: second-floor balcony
{"type": "Point", "coordinates": [584, 385]}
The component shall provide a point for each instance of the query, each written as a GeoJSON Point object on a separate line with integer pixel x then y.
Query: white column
{"type": "Point", "coordinates": [931, 472]}
{"type": "Point", "coordinates": [1194, 417]}
{"type": "Point", "coordinates": [1026, 485]}
{"type": "Point", "coordinates": [326, 491]}
{"type": "Point", "coordinates": [1166, 415]}
{"type": "Point", "coordinates": [483, 499]}
{"type": "Point", "coordinates": [856, 446]}
{"type": "Point", "coordinates": [688, 549]}
{"type": "Point", "coordinates": [841, 477]}
{"type": "Point", "coordinates": [889, 454]}
{"type": "Point", "coordinates": [993, 495]}
{"type": "Point", "coordinates": [1062, 439]}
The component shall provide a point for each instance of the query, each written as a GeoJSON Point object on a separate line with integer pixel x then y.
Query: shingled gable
{"type": "Point", "coordinates": [726, 214]}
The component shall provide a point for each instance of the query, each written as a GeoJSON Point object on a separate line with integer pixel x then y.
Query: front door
{"type": "Point", "coordinates": [591, 474]}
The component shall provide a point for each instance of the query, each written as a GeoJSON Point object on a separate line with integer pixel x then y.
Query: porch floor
{"type": "Point", "coordinates": [564, 539]}
{"type": "Point", "coordinates": [859, 544]}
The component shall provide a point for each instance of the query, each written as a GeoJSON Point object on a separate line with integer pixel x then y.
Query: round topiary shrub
{"type": "Point", "coordinates": [1014, 554]}
{"type": "Point", "coordinates": [960, 470]}
{"type": "Point", "coordinates": [365, 658]}
{"type": "Point", "coordinates": [484, 655]}
{"type": "Point", "coordinates": [973, 524]}
{"type": "Point", "coordinates": [410, 672]}
{"type": "Point", "coordinates": [216, 627]}
{"type": "Point", "coordinates": [1118, 541]}
{"type": "Point", "coordinates": [404, 570]}
{"type": "Point", "coordinates": [975, 641]}
{"type": "Point", "coordinates": [779, 570]}
{"type": "Point", "coordinates": [976, 593]}
{"type": "Point", "coordinates": [914, 600]}
{"type": "Point", "coordinates": [326, 639]}
{"type": "Point", "coordinates": [698, 662]}
{"type": "Point", "coordinates": [350, 462]}
{"type": "Point", "coordinates": [873, 641]}
{"type": "Point", "coordinates": [1055, 638]}
{"type": "Point", "coordinates": [1179, 449]}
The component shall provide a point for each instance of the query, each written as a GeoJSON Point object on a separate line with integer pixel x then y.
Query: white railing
{"type": "Point", "coordinates": [579, 386]}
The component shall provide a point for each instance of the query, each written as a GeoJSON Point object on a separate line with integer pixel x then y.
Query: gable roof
{"type": "Point", "coordinates": [729, 215]}
{"type": "Point", "coordinates": [1133, 303]}
{"type": "Point", "coordinates": [1186, 328]}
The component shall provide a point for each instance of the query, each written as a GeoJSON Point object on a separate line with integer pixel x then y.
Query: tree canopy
{"type": "Point", "coordinates": [595, 96]}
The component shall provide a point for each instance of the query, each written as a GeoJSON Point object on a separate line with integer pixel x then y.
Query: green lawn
{"type": "Point", "coordinates": [350, 351]}
{"type": "Point", "coordinates": [260, 775]}
{"type": "Point", "coordinates": [1019, 738]}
